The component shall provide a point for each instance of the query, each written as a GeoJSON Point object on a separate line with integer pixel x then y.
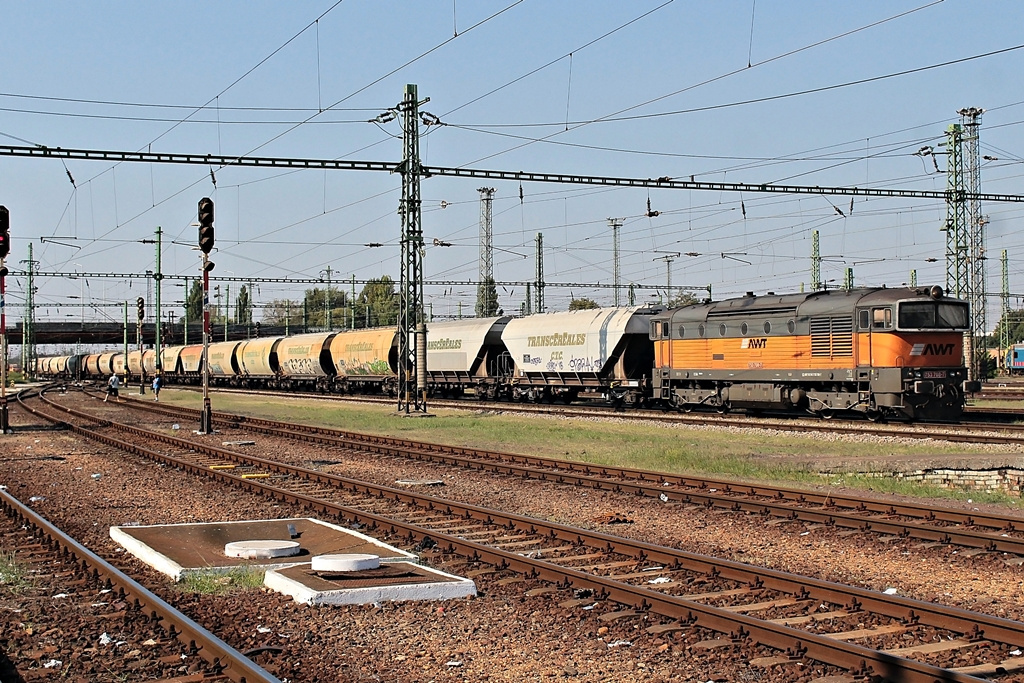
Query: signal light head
{"type": "Point", "coordinates": [141, 303]}
{"type": "Point", "coordinates": [206, 225]}
{"type": "Point", "coordinates": [5, 232]}
{"type": "Point", "coordinates": [3, 271]}
{"type": "Point", "coordinates": [208, 266]}
{"type": "Point", "coordinates": [205, 212]}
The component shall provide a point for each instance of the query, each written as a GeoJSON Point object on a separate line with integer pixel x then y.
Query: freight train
{"type": "Point", "coordinates": [876, 352]}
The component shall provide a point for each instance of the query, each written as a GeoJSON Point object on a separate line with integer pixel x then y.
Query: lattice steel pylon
{"type": "Point", "coordinates": [977, 284]}
{"type": "Point", "coordinates": [815, 263]}
{"type": "Point", "coordinates": [1004, 305]}
{"type": "Point", "coordinates": [615, 224]}
{"type": "Point", "coordinates": [411, 326]}
{"type": "Point", "coordinates": [539, 273]}
{"type": "Point", "coordinates": [958, 233]}
{"type": "Point", "coordinates": [957, 273]}
{"type": "Point", "coordinates": [483, 303]}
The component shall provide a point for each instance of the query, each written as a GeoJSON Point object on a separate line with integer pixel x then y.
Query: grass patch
{"type": "Point", "coordinates": [996, 403]}
{"type": "Point", "coordinates": [782, 457]}
{"type": "Point", "coordinates": [13, 577]}
{"type": "Point", "coordinates": [217, 583]}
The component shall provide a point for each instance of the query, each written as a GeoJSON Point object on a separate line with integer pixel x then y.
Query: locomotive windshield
{"type": "Point", "coordinates": [933, 315]}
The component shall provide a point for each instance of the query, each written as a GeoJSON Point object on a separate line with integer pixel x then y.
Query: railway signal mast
{"type": "Point", "coordinates": [5, 249]}
{"type": "Point", "coordinates": [206, 246]}
{"type": "Point", "coordinates": [141, 304]}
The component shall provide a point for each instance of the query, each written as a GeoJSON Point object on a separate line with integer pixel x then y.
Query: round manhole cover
{"type": "Point", "coordinates": [352, 562]}
{"type": "Point", "coordinates": [261, 549]}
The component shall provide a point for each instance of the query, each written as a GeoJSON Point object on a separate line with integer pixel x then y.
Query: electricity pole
{"type": "Point", "coordinates": [483, 294]}
{"type": "Point", "coordinates": [615, 224]}
{"type": "Point", "coordinates": [411, 328]}
{"type": "Point", "coordinates": [5, 249]}
{"type": "Point", "coordinates": [539, 273]}
{"type": "Point", "coordinates": [327, 302]}
{"type": "Point", "coordinates": [1004, 300]}
{"type": "Point", "coordinates": [815, 263]}
{"type": "Point", "coordinates": [957, 238]}
{"type": "Point", "coordinates": [668, 258]}
{"type": "Point", "coordinates": [158, 277]}
{"type": "Point", "coordinates": [28, 326]}
{"type": "Point", "coordinates": [975, 229]}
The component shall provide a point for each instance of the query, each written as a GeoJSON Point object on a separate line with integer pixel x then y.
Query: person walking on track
{"type": "Point", "coordinates": [113, 385]}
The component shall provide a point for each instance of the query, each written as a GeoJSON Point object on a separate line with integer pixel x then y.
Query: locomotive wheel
{"type": "Point", "coordinates": [875, 416]}
{"type": "Point", "coordinates": [826, 414]}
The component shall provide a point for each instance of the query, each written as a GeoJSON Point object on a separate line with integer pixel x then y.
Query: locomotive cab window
{"type": "Point", "coordinates": [659, 329]}
{"type": "Point", "coordinates": [881, 318]}
{"type": "Point", "coordinates": [865, 319]}
{"type": "Point", "coordinates": [933, 315]}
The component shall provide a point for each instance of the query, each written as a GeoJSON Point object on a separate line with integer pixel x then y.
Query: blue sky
{"type": "Point", "coordinates": [500, 75]}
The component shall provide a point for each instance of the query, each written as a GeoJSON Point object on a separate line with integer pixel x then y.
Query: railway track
{"type": "Point", "coordinates": [797, 618]}
{"type": "Point", "coordinates": [106, 598]}
{"type": "Point", "coordinates": [931, 524]}
{"type": "Point", "coordinates": [983, 426]}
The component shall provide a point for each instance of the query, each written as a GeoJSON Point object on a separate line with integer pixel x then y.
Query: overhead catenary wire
{"type": "Point", "coordinates": [662, 206]}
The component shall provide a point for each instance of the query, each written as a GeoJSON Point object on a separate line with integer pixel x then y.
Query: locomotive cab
{"type": "Point", "coordinates": [913, 348]}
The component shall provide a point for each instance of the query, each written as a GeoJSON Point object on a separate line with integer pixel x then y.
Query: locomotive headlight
{"type": "Point", "coordinates": [935, 292]}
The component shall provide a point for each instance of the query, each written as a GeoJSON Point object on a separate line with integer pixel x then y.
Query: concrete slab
{"type": "Point", "coordinates": [179, 549]}
{"type": "Point", "coordinates": [395, 581]}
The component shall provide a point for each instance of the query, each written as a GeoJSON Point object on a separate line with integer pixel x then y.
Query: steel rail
{"type": "Point", "coordinates": [653, 484]}
{"type": "Point", "coordinates": [221, 656]}
{"type": "Point", "coordinates": [785, 424]}
{"type": "Point", "coordinates": [796, 642]}
{"type": "Point", "coordinates": [943, 535]}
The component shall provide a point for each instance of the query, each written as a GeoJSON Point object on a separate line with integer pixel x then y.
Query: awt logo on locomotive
{"type": "Point", "coordinates": [932, 349]}
{"type": "Point", "coordinates": [759, 343]}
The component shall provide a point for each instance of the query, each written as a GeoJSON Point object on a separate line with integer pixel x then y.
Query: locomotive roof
{"type": "Point", "coordinates": [823, 302]}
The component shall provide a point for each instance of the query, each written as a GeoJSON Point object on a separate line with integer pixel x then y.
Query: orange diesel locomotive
{"type": "Point", "coordinates": [880, 352]}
